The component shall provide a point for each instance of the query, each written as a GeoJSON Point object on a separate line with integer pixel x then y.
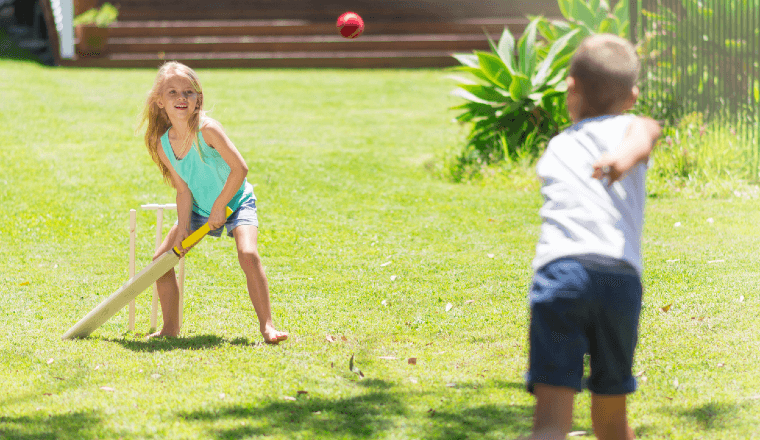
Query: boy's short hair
{"type": "Point", "coordinates": [605, 68]}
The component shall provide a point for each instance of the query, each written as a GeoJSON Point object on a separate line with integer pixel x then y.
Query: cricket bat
{"type": "Point", "coordinates": [133, 287]}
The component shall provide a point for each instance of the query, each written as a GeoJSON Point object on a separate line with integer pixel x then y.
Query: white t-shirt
{"type": "Point", "coordinates": [581, 217]}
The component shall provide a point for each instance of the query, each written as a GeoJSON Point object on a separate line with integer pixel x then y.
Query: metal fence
{"type": "Point", "coordinates": [702, 56]}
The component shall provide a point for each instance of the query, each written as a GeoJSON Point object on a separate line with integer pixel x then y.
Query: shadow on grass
{"type": "Point", "coordinates": [369, 415]}
{"type": "Point", "coordinates": [197, 342]}
{"type": "Point", "coordinates": [72, 426]}
{"type": "Point", "coordinates": [710, 416]}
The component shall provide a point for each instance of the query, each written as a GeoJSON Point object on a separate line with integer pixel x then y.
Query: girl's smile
{"type": "Point", "coordinates": [178, 98]}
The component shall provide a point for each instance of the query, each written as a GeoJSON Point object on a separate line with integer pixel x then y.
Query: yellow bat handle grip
{"type": "Point", "coordinates": [197, 234]}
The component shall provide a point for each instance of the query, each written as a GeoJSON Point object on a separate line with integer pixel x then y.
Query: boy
{"type": "Point", "coordinates": [586, 292]}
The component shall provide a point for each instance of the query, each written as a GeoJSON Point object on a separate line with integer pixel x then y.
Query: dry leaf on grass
{"type": "Point", "coordinates": [469, 301]}
{"type": "Point", "coordinates": [25, 283]}
{"type": "Point", "coordinates": [330, 338]}
{"type": "Point", "coordinates": [302, 392]}
{"type": "Point", "coordinates": [666, 308]}
{"type": "Point", "coordinates": [411, 361]}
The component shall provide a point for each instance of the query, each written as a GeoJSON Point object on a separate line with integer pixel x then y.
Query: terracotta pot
{"type": "Point", "coordinates": [92, 41]}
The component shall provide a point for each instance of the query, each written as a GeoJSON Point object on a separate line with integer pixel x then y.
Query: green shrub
{"type": "Point", "coordinates": [515, 95]}
{"type": "Point", "coordinates": [517, 102]}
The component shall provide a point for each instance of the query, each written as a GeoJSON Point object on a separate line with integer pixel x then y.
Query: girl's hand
{"type": "Point", "coordinates": [181, 235]}
{"type": "Point", "coordinates": [217, 218]}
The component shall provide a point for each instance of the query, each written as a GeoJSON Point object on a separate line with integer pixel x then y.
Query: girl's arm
{"type": "Point", "coordinates": [639, 141]}
{"type": "Point", "coordinates": [184, 203]}
{"type": "Point", "coordinates": [215, 136]}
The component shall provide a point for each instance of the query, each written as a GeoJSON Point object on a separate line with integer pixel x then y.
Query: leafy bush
{"type": "Point", "coordinates": [518, 101]}
{"type": "Point", "coordinates": [588, 18]}
{"type": "Point", "coordinates": [515, 101]}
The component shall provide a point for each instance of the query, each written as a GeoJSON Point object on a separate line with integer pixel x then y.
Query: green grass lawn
{"type": "Point", "coordinates": [364, 249]}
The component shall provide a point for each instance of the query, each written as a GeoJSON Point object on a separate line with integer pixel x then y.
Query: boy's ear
{"type": "Point", "coordinates": [570, 83]}
{"type": "Point", "coordinates": [633, 97]}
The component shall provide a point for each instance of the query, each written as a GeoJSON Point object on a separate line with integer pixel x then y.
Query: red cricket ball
{"type": "Point", "coordinates": [350, 24]}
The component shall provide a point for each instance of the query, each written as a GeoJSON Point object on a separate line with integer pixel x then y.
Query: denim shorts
{"type": "Point", "coordinates": [578, 309]}
{"type": "Point", "coordinates": [245, 215]}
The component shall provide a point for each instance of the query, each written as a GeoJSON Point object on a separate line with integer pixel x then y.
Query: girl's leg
{"type": "Point", "coordinates": [168, 292]}
{"type": "Point", "coordinates": [246, 239]}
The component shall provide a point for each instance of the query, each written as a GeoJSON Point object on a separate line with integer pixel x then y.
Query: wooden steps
{"type": "Point", "coordinates": [295, 43]}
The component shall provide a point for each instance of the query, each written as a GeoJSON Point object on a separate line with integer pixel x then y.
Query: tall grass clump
{"type": "Point", "coordinates": [712, 157]}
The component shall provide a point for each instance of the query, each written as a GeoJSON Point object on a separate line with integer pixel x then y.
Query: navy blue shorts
{"type": "Point", "coordinates": [577, 309]}
{"type": "Point", "coordinates": [245, 215]}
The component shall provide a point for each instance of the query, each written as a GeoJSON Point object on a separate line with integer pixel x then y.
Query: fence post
{"type": "Point", "coordinates": [633, 26]}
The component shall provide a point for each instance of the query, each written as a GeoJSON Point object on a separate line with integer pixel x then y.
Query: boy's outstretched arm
{"type": "Point", "coordinates": [637, 145]}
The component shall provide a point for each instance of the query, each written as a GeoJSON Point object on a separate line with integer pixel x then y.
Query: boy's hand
{"type": "Point", "coordinates": [217, 218]}
{"type": "Point", "coordinates": [637, 144]}
{"type": "Point", "coordinates": [611, 168]}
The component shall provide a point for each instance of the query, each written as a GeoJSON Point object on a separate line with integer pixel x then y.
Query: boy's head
{"type": "Point", "coordinates": [602, 77]}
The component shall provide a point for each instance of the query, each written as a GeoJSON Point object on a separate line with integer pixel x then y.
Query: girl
{"type": "Point", "coordinates": [198, 159]}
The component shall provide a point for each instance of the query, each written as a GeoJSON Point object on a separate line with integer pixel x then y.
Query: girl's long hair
{"type": "Point", "coordinates": [157, 120]}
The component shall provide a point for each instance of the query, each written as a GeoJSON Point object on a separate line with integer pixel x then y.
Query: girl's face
{"type": "Point", "coordinates": [178, 98]}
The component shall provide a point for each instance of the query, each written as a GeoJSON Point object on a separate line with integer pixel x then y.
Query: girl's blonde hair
{"type": "Point", "coordinates": [158, 121]}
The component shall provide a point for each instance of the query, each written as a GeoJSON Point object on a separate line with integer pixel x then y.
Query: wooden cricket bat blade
{"type": "Point", "coordinates": [126, 293]}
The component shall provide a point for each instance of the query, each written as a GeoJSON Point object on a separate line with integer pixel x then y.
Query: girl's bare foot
{"type": "Point", "coordinates": [272, 336]}
{"type": "Point", "coordinates": [163, 334]}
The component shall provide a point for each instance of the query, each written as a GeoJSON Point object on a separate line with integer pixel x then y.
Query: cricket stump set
{"type": "Point", "coordinates": [137, 283]}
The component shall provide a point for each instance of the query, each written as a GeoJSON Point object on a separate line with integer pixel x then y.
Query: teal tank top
{"type": "Point", "coordinates": [205, 177]}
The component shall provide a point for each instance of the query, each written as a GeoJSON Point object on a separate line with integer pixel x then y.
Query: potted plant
{"type": "Point", "coordinates": [91, 29]}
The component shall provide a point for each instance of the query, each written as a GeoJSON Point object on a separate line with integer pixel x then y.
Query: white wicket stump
{"type": "Point", "coordinates": [159, 238]}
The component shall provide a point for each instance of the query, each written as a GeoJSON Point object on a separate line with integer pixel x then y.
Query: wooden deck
{"type": "Point", "coordinates": [288, 43]}
{"type": "Point", "coordinates": [253, 33]}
